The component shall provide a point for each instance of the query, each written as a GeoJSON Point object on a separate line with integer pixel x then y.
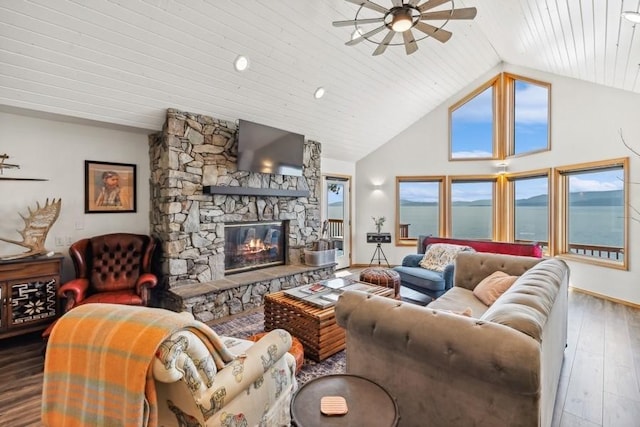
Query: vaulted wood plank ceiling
{"type": "Point", "coordinates": [126, 61]}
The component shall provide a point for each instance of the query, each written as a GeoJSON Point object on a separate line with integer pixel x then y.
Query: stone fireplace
{"type": "Point", "coordinates": [253, 245]}
{"type": "Point", "coordinates": [197, 194]}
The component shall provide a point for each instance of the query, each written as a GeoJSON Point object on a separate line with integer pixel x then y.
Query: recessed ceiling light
{"type": "Point", "coordinates": [319, 93]}
{"type": "Point", "coordinates": [631, 16]}
{"type": "Point", "coordinates": [241, 63]}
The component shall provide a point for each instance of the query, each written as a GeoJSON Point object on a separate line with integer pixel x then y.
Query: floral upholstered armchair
{"type": "Point", "coordinates": [155, 367]}
{"type": "Point", "coordinates": [254, 389]}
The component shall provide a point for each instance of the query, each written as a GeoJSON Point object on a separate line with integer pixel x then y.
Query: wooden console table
{"type": "Point", "coordinates": [28, 294]}
{"type": "Point", "coordinates": [316, 328]}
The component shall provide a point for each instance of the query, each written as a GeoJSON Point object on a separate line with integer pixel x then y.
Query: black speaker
{"type": "Point", "coordinates": [378, 237]}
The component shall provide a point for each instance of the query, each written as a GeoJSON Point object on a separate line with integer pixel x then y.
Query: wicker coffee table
{"type": "Point", "coordinates": [316, 328]}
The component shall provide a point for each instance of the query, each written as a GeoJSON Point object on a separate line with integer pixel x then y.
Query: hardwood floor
{"type": "Point", "coordinates": [600, 383]}
{"type": "Point", "coordinates": [21, 371]}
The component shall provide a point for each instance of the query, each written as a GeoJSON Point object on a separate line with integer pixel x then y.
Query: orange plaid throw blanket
{"type": "Point", "coordinates": [98, 364]}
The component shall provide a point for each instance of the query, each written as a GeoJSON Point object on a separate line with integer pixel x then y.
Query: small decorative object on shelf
{"type": "Point", "coordinates": [379, 222]}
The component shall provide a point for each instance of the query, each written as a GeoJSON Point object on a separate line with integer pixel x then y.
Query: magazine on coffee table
{"type": "Point", "coordinates": [306, 291]}
{"type": "Point", "coordinates": [321, 294]}
{"type": "Point", "coordinates": [324, 300]}
{"type": "Point", "coordinates": [338, 283]}
{"type": "Point", "coordinates": [359, 286]}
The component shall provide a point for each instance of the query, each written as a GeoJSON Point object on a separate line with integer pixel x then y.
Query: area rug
{"type": "Point", "coordinates": [253, 323]}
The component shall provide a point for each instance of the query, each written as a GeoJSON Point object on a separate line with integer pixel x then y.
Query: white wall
{"type": "Point", "coordinates": [56, 151]}
{"type": "Point", "coordinates": [337, 167]}
{"type": "Point", "coordinates": [586, 119]}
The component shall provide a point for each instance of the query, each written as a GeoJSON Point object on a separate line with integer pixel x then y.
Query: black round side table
{"type": "Point", "coordinates": [369, 404]}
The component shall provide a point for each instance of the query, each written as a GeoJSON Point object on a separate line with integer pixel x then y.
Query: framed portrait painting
{"type": "Point", "coordinates": [109, 187]}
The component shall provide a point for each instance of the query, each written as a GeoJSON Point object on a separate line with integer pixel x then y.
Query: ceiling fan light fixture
{"type": "Point", "coordinates": [402, 20]}
{"type": "Point", "coordinates": [630, 16]}
{"type": "Point", "coordinates": [403, 16]}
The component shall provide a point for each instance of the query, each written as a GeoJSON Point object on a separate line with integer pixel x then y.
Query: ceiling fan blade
{"type": "Point", "coordinates": [397, 3]}
{"type": "Point", "coordinates": [384, 43]}
{"type": "Point", "coordinates": [365, 35]}
{"type": "Point", "coordinates": [369, 5]}
{"type": "Point", "coordinates": [431, 4]}
{"type": "Point", "coordinates": [465, 13]}
{"type": "Point", "coordinates": [413, 2]}
{"type": "Point", "coordinates": [357, 22]}
{"type": "Point", "coordinates": [437, 33]}
{"type": "Point", "coordinates": [410, 44]}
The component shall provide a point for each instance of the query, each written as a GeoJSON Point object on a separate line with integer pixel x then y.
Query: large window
{"type": "Point", "coordinates": [529, 199]}
{"type": "Point", "coordinates": [507, 116]}
{"type": "Point", "coordinates": [593, 211]}
{"type": "Point", "coordinates": [472, 205]}
{"type": "Point", "coordinates": [528, 108]}
{"type": "Point", "coordinates": [472, 125]}
{"type": "Point", "coordinates": [578, 211]}
{"type": "Point", "coordinates": [419, 208]}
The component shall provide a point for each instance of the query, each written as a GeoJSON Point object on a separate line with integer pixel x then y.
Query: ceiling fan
{"type": "Point", "coordinates": [402, 17]}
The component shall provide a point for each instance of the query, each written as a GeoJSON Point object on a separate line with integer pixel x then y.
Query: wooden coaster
{"type": "Point", "coordinates": [333, 405]}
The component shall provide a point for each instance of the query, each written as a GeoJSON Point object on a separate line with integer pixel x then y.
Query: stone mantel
{"type": "Point", "coordinates": [248, 191]}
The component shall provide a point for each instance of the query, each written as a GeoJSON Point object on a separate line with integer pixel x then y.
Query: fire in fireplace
{"type": "Point", "coordinates": [249, 246]}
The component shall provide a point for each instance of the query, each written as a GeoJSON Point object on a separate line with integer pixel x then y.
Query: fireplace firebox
{"type": "Point", "coordinates": [253, 245]}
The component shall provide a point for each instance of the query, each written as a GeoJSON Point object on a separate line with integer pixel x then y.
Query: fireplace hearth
{"type": "Point", "coordinates": [254, 245]}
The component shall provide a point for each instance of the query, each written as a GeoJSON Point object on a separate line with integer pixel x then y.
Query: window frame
{"type": "Point", "coordinates": [495, 201]}
{"type": "Point", "coordinates": [510, 204]}
{"type": "Point", "coordinates": [561, 179]}
{"type": "Point", "coordinates": [509, 82]}
{"type": "Point", "coordinates": [495, 83]}
{"type": "Point", "coordinates": [441, 179]}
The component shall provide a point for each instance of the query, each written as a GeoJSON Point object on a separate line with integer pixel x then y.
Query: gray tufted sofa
{"type": "Point", "coordinates": [500, 367]}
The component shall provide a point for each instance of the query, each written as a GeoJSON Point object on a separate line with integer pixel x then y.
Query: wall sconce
{"type": "Point", "coordinates": [377, 183]}
{"type": "Point", "coordinates": [502, 168]}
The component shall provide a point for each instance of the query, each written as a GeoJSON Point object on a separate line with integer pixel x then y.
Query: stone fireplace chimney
{"type": "Point", "coordinates": [195, 151]}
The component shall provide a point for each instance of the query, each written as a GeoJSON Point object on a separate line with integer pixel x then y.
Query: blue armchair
{"type": "Point", "coordinates": [428, 282]}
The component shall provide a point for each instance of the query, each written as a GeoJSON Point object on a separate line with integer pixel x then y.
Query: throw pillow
{"type": "Point", "coordinates": [439, 255]}
{"type": "Point", "coordinates": [492, 286]}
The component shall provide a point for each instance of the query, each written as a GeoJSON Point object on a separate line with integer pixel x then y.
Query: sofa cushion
{"type": "Point", "coordinates": [492, 286]}
{"type": "Point", "coordinates": [421, 278]}
{"type": "Point", "coordinates": [526, 305]}
{"type": "Point", "coordinates": [457, 299]}
{"type": "Point", "coordinates": [439, 255]}
{"type": "Point", "coordinates": [471, 268]}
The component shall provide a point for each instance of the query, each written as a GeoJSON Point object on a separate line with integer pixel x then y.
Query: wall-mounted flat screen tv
{"type": "Point", "coordinates": [266, 149]}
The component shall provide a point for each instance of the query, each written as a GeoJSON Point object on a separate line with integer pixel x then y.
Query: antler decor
{"type": "Point", "coordinates": [36, 227]}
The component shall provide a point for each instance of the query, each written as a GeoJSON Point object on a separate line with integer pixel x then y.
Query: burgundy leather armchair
{"type": "Point", "coordinates": [112, 268]}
